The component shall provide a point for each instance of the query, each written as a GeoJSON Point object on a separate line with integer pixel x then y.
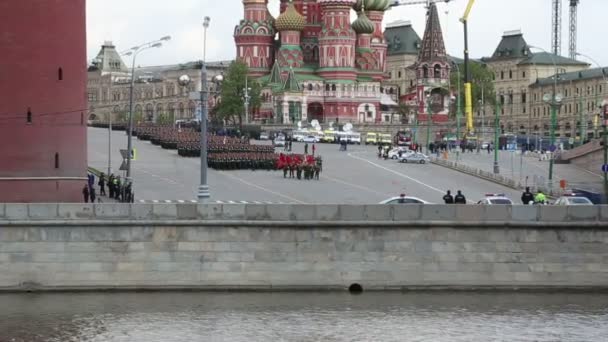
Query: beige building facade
{"type": "Point", "coordinates": [157, 94]}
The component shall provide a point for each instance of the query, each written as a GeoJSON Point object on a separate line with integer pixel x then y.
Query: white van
{"type": "Point", "coordinates": [354, 138]}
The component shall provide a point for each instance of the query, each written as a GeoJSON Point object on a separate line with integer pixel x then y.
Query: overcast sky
{"type": "Point", "coordinates": [131, 22]}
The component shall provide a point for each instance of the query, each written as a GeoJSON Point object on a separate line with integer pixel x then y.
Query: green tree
{"type": "Point", "coordinates": [481, 77]}
{"type": "Point", "coordinates": [232, 106]}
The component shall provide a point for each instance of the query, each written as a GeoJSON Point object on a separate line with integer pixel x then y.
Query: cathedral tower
{"type": "Point", "coordinates": [337, 41]}
{"type": "Point", "coordinates": [254, 37]}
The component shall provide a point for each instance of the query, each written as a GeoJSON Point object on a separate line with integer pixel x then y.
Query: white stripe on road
{"type": "Point", "coordinates": [401, 175]}
{"type": "Point", "coordinates": [261, 188]}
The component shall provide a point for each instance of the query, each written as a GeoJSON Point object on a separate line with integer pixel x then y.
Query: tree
{"type": "Point", "coordinates": [480, 76]}
{"type": "Point", "coordinates": [232, 106]}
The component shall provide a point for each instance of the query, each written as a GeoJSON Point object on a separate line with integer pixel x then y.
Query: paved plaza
{"type": "Point", "coordinates": [353, 177]}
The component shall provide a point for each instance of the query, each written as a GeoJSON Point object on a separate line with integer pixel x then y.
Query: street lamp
{"type": "Point", "coordinates": [203, 188]}
{"type": "Point", "coordinates": [134, 52]}
{"type": "Point", "coordinates": [247, 97]}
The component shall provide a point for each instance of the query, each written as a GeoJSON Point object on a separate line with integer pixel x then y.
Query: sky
{"type": "Point", "coordinates": [132, 22]}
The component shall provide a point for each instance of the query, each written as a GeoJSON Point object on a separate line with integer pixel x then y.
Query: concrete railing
{"type": "Point", "coordinates": [305, 215]}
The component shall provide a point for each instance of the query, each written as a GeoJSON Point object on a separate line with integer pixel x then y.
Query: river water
{"type": "Point", "coordinates": [194, 316]}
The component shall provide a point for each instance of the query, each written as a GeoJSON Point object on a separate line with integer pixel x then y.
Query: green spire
{"type": "Point", "coordinates": [291, 83]}
{"type": "Point", "coordinates": [275, 74]}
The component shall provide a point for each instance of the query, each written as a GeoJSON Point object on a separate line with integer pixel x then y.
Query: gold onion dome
{"type": "Point", "coordinates": [372, 5]}
{"type": "Point", "coordinates": [290, 20]}
{"type": "Point", "coordinates": [363, 25]}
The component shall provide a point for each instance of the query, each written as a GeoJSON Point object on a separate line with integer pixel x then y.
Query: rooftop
{"type": "Point", "coordinates": [589, 74]}
{"type": "Point", "coordinates": [402, 39]}
{"type": "Point", "coordinates": [545, 58]}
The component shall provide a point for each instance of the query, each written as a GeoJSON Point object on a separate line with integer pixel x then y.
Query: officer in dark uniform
{"type": "Point", "coordinates": [460, 199]}
{"type": "Point", "coordinates": [448, 198]}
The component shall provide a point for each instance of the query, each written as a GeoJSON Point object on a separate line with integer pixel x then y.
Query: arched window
{"type": "Point", "coordinates": [333, 87]}
{"type": "Point", "coordinates": [425, 71]}
{"type": "Point", "coordinates": [149, 112]}
{"type": "Point", "coordinates": [191, 109]}
{"type": "Point", "coordinates": [56, 160]}
{"type": "Point", "coordinates": [437, 71]}
{"type": "Point", "coordinates": [327, 87]}
{"type": "Point", "coordinates": [60, 74]}
{"type": "Point", "coordinates": [391, 91]}
{"type": "Point", "coordinates": [309, 86]}
{"type": "Point", "coordinates": [29, 116]}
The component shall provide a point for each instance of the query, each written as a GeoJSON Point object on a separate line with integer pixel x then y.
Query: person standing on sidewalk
{"type": "Point", "coordinates": [102, 184]}
{"type": "Point", "coordinates": [527, 197]}
{"type": "Point", "coordinates": [448, 198]}
{"type": "Point", "coordinates": [85, 193]}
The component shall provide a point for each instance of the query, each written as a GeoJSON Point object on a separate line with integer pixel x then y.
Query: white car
{"type": "Point", "coordinates": [394, 153]}
{"type": "Point", "coordinates": [416, 158]}
{"type": "Point", "coordinates": [404, 200]}
{"type": "Point", "coordinates": [264, 136]}
{"type": "Point", "coordinates": [573, 200]}
{"type": "Point", "coordinates": [279, 142]}
{"type": "Point", "coordinates": [495, 199]}
{"type": "Point", "coordinates": [311, 139]}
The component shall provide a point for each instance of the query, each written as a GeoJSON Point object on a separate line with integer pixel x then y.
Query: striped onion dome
{"type": "Point", "coordinates": [372, 5]}
{"type": "Point", "coordinates": [362, 25]}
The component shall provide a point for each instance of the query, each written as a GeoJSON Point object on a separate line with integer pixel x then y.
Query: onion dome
{"type": "Point", "coordinates": [290, 20]}
{"type": "Point", "coordinates": [363, 25]}
{"type": "Point", "coordinates": [372, 5]}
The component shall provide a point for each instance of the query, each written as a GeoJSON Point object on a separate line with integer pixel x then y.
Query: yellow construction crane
{"type": "Point", "coordinates": [468, 98]}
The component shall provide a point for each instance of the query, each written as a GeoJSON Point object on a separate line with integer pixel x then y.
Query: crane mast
{"type": "Point", "coordinates": [573, 28]}
{"type": "Point", "coordinates": [556, 27]}
{"type": "Point", "coordinates": [396, 3]}
{"type": "Point", "coordinates": [468, 96]}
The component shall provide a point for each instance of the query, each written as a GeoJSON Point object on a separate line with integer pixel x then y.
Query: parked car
{"type": "Point", "coordinates": [311, 139]}
{"type": "Point", "coordinates": [264, 136]}
{"type": "Point", "coordinates": [279, 141]}
{"type": "Point", "coordinates": [495, 199]}
{"type": "Point", "coordinates": [416, 158]}
{"type": "Point", "coordinates": [404, 200]}
{"type": "Point", "coordinates": [394, 153]}
{"type": "Point", "coordinates": [572, 199]}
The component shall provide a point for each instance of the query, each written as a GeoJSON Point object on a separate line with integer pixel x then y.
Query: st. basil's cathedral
{"type": "Point", "coordinates": [325, 68]}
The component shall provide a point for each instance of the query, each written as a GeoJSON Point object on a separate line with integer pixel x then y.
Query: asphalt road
{"type": "Point", "coordinates": [353, 177]}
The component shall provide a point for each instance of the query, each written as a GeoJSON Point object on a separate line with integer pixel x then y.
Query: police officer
{"type": "Point", "coordinates": [540, 198]}
{"type": "Point", "coordinates": [460, 199]}
{"type": "Point", "coordinates": [448, 198]}
{"type": "Point", "coordinates": [527, 196]}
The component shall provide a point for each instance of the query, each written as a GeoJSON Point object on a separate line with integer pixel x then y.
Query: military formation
{"type": "Point", "coordinates": [224, 152]}
{"type": "Point", "coordinates": [300, 166]}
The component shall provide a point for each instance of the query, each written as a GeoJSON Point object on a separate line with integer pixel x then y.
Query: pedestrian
{"type": "Point", "coordinates": [527, 197]}
{"type": "Point", "coordinates": [489, 147]}
{"type": "Point", "coordinates": [314, 149]}
{"type": "Point", "coordinates": [85, 193]}
{"type": "Point", "coordinates": [379, 151]}
{"type": "Point", "coordinates": [290, 143]}
{"type": "Point", "coordinates": [460, 199]}
{"type": "Point", "coordinates": [102, 184]}
{"type": "Point", "coordinates": [91, 178]}
{"type": "Point", "coordinates": [306, 148]}
{"type": "Point", "coordinates": [92, 194]}
{"type": "Point", "coordinates": [540, 198]}
{"type": "Point", "coordinates": [448, 198]}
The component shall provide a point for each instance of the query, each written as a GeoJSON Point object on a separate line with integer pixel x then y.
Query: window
{"type": "Point", "coordinates": [502, 75]}
{"type": "Point", "coordinates": [510, 74]}
{"type": "Point", "coordinates": [425, 72]}
{"type": "Point", "coordinates": [399, 74]}
{"type": "Point", "coordinates": [333, 87]}
{"type": "Point", "coordinates": [510, 98]}
{"type": "Point", "coordinates": [56, 160]}
{"type": "Point", "coordinates": [502, 99]}
{"type": "Point", "coordinates": [523, 74]}
{"type": "Point", "coordinates": [523, 97]}
{"type": "Point", "coordinates": [60, 74]}
{"type": "Point", "coordinates": [309, 86]}
{"type": "Point", "coordinates": [390, 74]}
{"type": "Point", "coordinates": [29, 116]}
{"type": "Point", "coordinates": [327, 87]}
{"type": "Point", "coordinates": [437, 72]}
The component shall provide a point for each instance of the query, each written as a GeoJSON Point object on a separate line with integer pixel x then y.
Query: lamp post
{"type": "Point", "coordinates": [134, 52]}
{"type": "Point", "coordinates": [496, 111]}
{"type": "Point", "coordinates": [203, 189]}
{"type": "Point", "coordinates": [247, 97]}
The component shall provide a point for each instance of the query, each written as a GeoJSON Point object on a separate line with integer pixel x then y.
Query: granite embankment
{"type": "Point", "coordinates": [279, 247]}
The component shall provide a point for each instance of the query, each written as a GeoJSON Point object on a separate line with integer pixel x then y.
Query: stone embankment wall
{"type": "Point", "coordinates": [274, 247]}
